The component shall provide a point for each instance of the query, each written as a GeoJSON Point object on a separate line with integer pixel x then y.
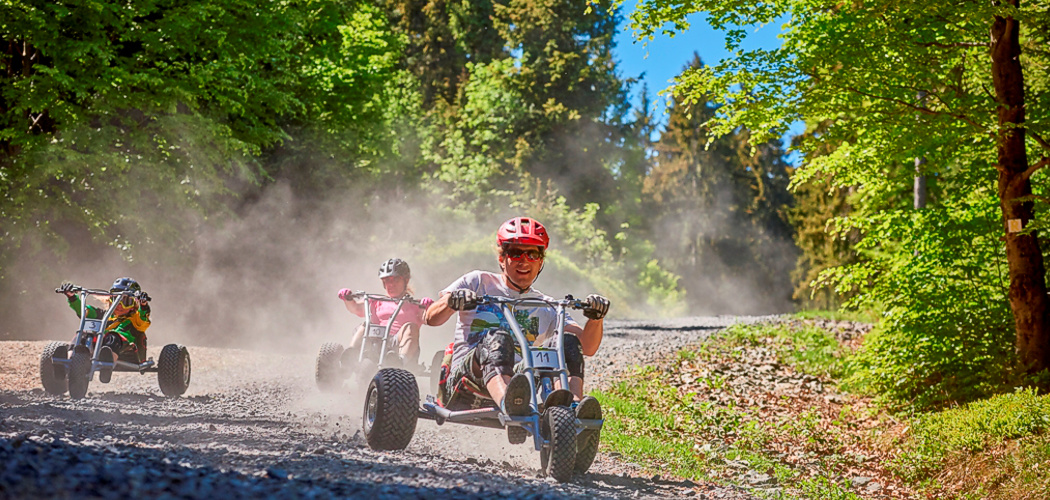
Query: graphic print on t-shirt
{"type": "Point", "coordinates": [487, 317]}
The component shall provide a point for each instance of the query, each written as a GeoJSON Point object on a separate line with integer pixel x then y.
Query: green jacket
{"type": "Point", "coordinates": [129, 326]}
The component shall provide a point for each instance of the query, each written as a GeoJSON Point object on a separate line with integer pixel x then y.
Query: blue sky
{"type": "Point", "coordinates": [663, 58]}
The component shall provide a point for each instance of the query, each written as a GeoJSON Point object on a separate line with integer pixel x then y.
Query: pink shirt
{"type": "Point", "coordinates": [382, 310]}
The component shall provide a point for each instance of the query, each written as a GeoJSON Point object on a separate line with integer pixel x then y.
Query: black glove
{"type": "Point", "coordinates": [144, 298]}
{"type": "Point", "coordinates": [595, 306]}
{"type": "Point", "coordinates": [463, 300]}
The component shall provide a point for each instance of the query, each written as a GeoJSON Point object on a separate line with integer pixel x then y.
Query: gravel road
{"type": "Point", "coordinates": [253, 425]}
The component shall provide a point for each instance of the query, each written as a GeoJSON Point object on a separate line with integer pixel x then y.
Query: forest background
{"type": "Point", "coordinates": [246, 159]}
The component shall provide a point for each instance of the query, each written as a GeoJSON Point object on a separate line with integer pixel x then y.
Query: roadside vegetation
{"type": "Point", "coordinates": [765, 407]}
{"type": "Point", "coordinates": [222, 145]}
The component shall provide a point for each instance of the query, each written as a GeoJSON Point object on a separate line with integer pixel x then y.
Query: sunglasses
{"type": "Point", "coordinates": [529, 254]}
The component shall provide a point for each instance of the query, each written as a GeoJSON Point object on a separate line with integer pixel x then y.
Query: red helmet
{"type": "Point", "coordinates": [523, 231]}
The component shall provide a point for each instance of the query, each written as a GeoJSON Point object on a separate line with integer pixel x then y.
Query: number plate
{"type": "Point", "coordinates": [376, 331]}
{"type": "Point", "coordinates": [92, 326]}
{"type": "Point", "coordinates": [545, 358]}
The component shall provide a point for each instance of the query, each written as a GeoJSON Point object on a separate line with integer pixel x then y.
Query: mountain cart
{"type": "Point", "coordinates": [566, 444]}
{"type": "Point", "coordinates": [377, 350]}
{"type": "Point", "coordinates": [72, 366]}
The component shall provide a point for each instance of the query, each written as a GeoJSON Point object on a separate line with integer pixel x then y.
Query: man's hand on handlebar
{"type": "Point", "coordinates": [595, 306]}
{"type": "Point", "coordinates": [345, 294]}
{"type": "Point", "coordinates": [463, 300]}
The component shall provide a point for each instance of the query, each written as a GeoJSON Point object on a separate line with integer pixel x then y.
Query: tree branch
{"type": "Point", "coordinates": [1038, 138]}
{"type": "Point", "coordinates": [921, 109]}
{"type": "Point", "coordinates": [1027, 174]}
{"type": "Point", "coordinates": [952, 45]}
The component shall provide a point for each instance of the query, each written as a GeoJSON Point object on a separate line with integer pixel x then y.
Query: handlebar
{"type": "Point", "coordinates": [89, 291]}
{"type": "Point", "coordinates": [384, 298]}
{"type": "Point", "coordinates": [569, 301]}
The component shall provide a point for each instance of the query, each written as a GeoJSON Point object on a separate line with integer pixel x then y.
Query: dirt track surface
{"type": "Point", "coordinates": [254, 425]}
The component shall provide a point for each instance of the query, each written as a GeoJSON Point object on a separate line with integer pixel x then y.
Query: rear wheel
{"type": "Point", "coordinates": [53, 376]}
{"type": "Point", "coordinates": [329, 369]}
{"type": "Point", "coordinates": [435, 372]}
{"type": "Point", "coordinates": [79, 368]}
{"type": "Point", "coordinates": [558, 457]}
{"type": "Point", "coordinates": [391, 409]}
{"type": "Point", "coordinates": [364, 371]}
{"type": "Point", "coordinates": [173, 370]}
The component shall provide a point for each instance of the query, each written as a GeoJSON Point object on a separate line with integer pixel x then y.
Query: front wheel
{"type": "Point", "coordinates": [329, 368]}
{"type": "Point", "coordinates": [79, 370]}
{"type": "Point", "coordinates": [558, 456]}
{"type": "Point", "coordinates": [52, 376]}
{"type": "Point", "coordinates": [173, 370]}
{"type": "Point", "coordinates": [391, 409]}
{"type": "Point", "coordinates": [587, 440]}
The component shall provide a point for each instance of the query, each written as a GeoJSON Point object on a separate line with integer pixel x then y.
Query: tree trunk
{"type": "Point", "coordinates": [1027, 293]}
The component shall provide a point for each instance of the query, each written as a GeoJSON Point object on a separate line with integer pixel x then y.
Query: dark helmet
{"type": "Point", "coordinates": [523, 231]}
{"type": "Point", "coordinates": [395, 267]}
{"type": "Point", "coordinates": [125, 285]}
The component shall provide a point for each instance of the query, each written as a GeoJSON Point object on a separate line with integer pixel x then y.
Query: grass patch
{"type": "Point", "coordinates": [716, 424]}
{"type": "Point", "coordinates": [754, 399]}
{"type": "Point", "coordinates": [807, 349]}
{"type": "Point", "coordinates": [939, 438]}
{"type": "Point", "coordinates": [870, 317]}
{"type": "Point", "coordinates": [648, 422]}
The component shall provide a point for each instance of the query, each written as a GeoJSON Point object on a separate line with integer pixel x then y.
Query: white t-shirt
{"type": "Point", "coordinates": [537, 323]}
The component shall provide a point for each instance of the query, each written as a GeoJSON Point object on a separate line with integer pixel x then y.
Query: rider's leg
{"type": "Point", "coordinates": [408, 343]}
{"type": "Point", "coordinates": [497, 387]}
{"type": "Point", "coordinates": [356, 339]}
{"type": "Point", "coordinates": [575, 387]}
{"type": "Point", "coordinates": [140, 344]}
{"type": "Point", "coordinates": [350, 354]}
{"type": "Point", "coordinates": [115, 343]}
{"type": "Point", "coordinates": [574, 363]}
{"type": "Point", "coordinates": [495, 360]}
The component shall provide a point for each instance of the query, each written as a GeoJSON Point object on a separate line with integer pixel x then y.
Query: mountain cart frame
{"type": "Point", "coordinates": [73, 366]}
{"type": "Point", "coordinates": [391, 412]}
{"type": "Point", "coordinates": [376, 344]}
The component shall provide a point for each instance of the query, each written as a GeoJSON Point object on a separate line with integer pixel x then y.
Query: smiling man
{"type": "Point", "coordinates": [483, 350]}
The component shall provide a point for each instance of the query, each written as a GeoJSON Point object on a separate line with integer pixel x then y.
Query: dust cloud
{"type": "Point", "coordinates": [265, 279]}
{"type": "Point", "coordinates": [728, 263]}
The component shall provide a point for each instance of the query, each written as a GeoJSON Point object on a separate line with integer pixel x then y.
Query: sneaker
{"type": "Point", "coordinates": [106, 354]}
{"type": "Point", "coordinates": [589, 409]}
{"type": "Point", "coordinates": [587, 440]}
{"type": "Point", "coordinates": [516, 400]}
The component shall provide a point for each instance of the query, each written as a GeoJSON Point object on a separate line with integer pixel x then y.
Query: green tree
{"type": "Point", "coordinates": [442, 37]}
{"type": "Point", "coordinates": [864, 67]}
{"type": "Point", "coordinates": [819, 203]}
{"type": "Point", "coordinates": [112, 115]}
{"type": "Point", "coordinates": [720, 212]}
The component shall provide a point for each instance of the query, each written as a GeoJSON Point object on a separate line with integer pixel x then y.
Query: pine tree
{"type": "Point", "coordinates": [721, 213]}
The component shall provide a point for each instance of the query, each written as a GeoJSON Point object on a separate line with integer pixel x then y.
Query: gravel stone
{"type": "Point", "coordinates": [253, 425]}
